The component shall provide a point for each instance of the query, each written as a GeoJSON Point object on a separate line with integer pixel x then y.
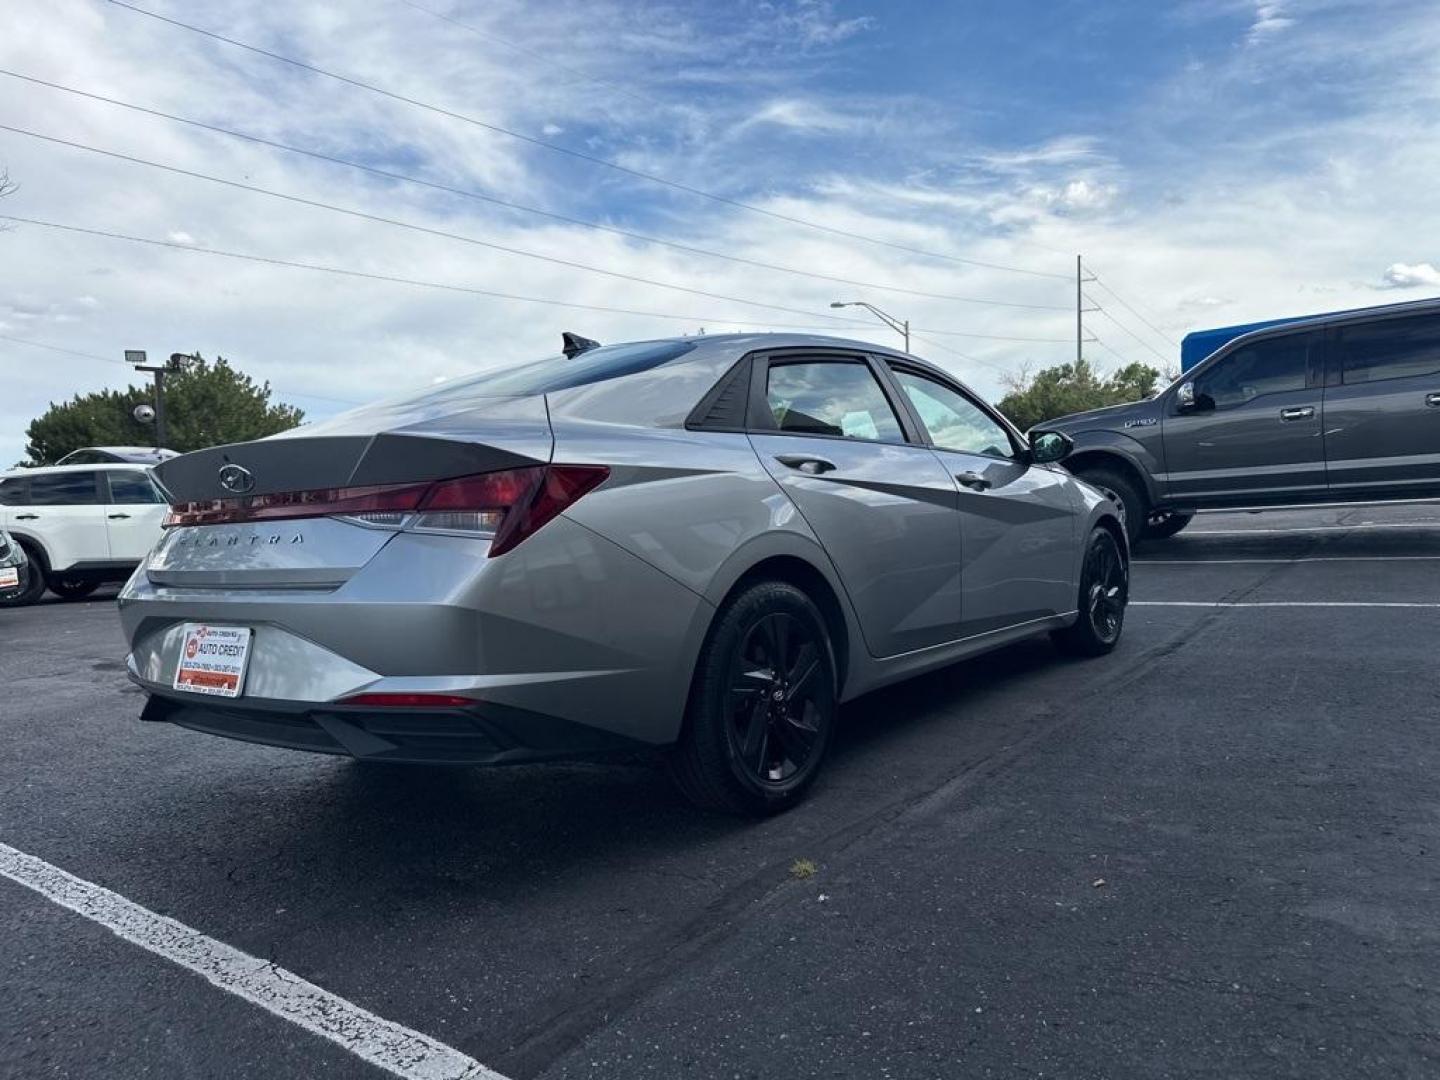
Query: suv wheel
{"type": "Point", "coordinates": [762, 707]}
{"type": "Point", "coordinates": [72, 588]}
{"type": "Point", "coordinates": [1124, 493]}
{"type": "Point", "coordinates": [1104, 592]}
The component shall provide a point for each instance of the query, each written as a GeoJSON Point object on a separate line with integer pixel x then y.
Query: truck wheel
{"type": "Point", "coordinates": [1166, 526]}
{"type": "Point", "coordinates": [1122, 491]}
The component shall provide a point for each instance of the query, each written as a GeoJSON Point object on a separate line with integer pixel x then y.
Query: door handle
{"type": "Point", "coordinates": [973, 480]}
{"type": "Point", "coordinates": [27, 517]}
{"type": "Point", "coordinates": [1304, 412]}
{"type": "Point", "coordinates": [805, 463]}
{"type": "Point", "coordinates": [119, 517]}
{"type": "Point", "coordinates": [1433, 400]}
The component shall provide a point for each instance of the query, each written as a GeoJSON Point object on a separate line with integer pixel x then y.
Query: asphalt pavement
{"type": "Point", "coordinates": [1211, 853]}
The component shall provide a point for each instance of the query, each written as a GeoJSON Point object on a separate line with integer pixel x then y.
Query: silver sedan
{"type": "Point", "coordinates": [702, 545]}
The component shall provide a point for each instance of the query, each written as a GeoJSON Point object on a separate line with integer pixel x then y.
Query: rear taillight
{"type": "Point", "coordinates": [505, 506]}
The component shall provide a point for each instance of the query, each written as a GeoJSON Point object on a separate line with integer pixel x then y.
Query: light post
{"type": "Point", "coordinates": [901, 327]}
{"type": "Point", "coordinates": [136, 359]}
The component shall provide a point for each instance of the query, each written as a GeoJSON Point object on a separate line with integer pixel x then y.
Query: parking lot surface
{"type": "Point", "coordinates": [1212, 853]}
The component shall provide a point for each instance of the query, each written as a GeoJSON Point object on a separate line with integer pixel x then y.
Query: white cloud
{"type": "Point", "coordinates": [800, 115]}
{"type": "Point", "coordinates": [179, 236]}
{"type": "Point", "coordinates": [1410, 275]}
{"type": "Point", "coordinates": [814, 22]}
{"type": "Point", "coordinates": [1270, 19]}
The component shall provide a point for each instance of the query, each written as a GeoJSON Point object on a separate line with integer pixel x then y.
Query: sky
{"type": "Point", "coordinates": [1215, 161]}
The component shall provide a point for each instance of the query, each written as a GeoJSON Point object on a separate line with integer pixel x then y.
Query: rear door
{"type": "Point", "coordinates": [828, 431]}
{"type": "Point", "coordinates": [134, 513]}
{"type": "Point", "coordinates": [1017, 521]}
{"type": "Point", "coordinates": [1382, 409]}
{"type": "Point", "coordinates": [65, 512]}
{"type": "Point", "coordinates": [1255, 434]}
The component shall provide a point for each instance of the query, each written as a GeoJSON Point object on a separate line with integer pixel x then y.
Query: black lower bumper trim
{"type": "Point", "coordinates": [485, 734]}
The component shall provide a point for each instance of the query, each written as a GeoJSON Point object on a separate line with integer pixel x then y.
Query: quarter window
{"type": "Point", "coordinates": [63, 489]}
{"type": "Point", "coordinates": [12, 492]}
{"type": "Point", "coordinates": [954, 421]}
{"type": "Point", "coordinates": [1277, 366]}
{"type": "Point", "coordinates": [831, 398]}
{"type": "Point", "coordinates": [132, 488]}
{"type": "Point", "coordinates": [1393, 349]}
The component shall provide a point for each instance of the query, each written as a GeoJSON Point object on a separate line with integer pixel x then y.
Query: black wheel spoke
{"type": "Point", "coordinates": [803, 683]}
{"type": "Point", "coordinates": [794, 738]}
{"type": "Point", "coordinates": [756, 737]}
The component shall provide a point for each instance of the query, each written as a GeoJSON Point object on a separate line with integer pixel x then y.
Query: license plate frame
{"type": "Point", "coordinates": [214, 660]}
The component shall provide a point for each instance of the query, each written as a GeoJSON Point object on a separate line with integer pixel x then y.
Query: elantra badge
{"type": "Point", "coordinates": [236, 479]}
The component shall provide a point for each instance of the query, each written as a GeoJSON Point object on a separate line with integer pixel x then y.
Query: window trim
{"type": "Point", "coordinates": [761, 421]}
{"type": "Point", "coordinates": [1317, 366]}
{"type": "Point", "coordinates": [1019, 447]}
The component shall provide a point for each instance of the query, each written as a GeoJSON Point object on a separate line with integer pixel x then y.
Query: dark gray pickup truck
{"type": "Point", "coordinates": [1342, 408]}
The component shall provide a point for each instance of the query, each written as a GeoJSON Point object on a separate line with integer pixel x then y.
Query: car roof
{"type": "Point", "coordinates": [48, 470]}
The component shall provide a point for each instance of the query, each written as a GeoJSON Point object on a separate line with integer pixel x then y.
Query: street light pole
{"type": "Point", "coordinates": [136, 359]}
{"type": "Point", "coordinates": [900, 326]}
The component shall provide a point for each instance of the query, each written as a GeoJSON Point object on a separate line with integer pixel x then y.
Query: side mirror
{"type": "Point", "coordinates": [1185, 396]}
{"type": "Point", "coordinates": [1050, 446]}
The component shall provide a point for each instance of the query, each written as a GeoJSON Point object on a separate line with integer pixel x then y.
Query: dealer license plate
{"type": "Point", "coordinates": [213, 660]}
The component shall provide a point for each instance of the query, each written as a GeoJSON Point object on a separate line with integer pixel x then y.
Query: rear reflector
{"type": "Point", "coordinates": [408, 701]}
{"type": "Point", "coordinates": [506, 506]}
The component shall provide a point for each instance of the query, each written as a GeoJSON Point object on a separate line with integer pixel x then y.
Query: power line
{"type": "Point", "coordinates": [1166, 337]}
{"type": "Point", "coordinates": [1163, 358]}
{"type": "Point", "coordinates": [443, 233]}
{"type": "Point", "coordinates": [493, 200]}
{"type": "Point", "coordinates": [579, 154]}
{"type": "Point", "coordinates": [176, 245]}
{"type": "Point", "coordinates": [117, 360]}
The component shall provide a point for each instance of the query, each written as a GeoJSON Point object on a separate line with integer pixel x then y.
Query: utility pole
{"type": "Point", "coordinates": [1080, 309]}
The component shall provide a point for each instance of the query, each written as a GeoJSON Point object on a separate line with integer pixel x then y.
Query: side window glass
{"type": "Point", "coordinates": [831, 398]}
{"type": "Point", "coordinates": [132, 488]}
{"type": "Point", "coordinates": [12, 492]}
{"type": "Point", "coordinates": [1393, 349]}
{"type": "Point", "coordinates": [953, 420]}
{"type": "Point", "coordinates": [63, 489]}
{"type": "Point", "coordinates": [1267, 367]}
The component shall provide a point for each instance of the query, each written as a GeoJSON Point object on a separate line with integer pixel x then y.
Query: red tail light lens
{"type": "Point", "coordinates": [506, 506]}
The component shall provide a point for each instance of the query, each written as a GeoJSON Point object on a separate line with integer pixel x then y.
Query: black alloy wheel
{"type": "Point", "coordinates": [762, 705]}
{"type": "Point", "coordinates": [1104, 592]}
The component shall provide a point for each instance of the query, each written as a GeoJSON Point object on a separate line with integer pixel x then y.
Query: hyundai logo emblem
{"type": "Point", "coordinates": [236, 479]}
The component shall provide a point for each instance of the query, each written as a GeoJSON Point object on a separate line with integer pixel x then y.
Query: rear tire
{"type": "Point", "coordinates": [762, 705]}
{"type": "Point", "coordinates": [72, 588]}
{"type": "Point", "coordinates": [1167, 526]}
{"type": "Point", "coordinates": [1125, 493]}
{"type": "Point", "coordinates": [1104, 592]}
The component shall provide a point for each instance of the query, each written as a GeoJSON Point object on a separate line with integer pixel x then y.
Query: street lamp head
{"type": "Point", "coordinates": [135, 356]}
{"type": "Point", "coordinates": [842, 303]}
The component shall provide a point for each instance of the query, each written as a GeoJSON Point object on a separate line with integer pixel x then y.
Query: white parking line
{"type": "Point", "coordinates": [1285, 603]}
{"type": "Point", "coordinates": [1317, 528]}
{"type": "Point", "coordinates": [394, 1048]}
{"type": "Point", "coordinates": [1315, 558]}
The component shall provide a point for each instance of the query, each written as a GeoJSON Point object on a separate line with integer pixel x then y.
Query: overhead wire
{"type": "Point", "coordinates": [511, 205]}
{"type": "Point", "coordinates": [593, 159]}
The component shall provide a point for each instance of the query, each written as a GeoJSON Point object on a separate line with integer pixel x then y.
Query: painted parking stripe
{"type": "Point", "coordinates": [1313, 558]}
{"type": "Point", "coordinates": [394, 1048]}
{"type": "Point", "coordinates": [1316, 528]}
{"type": "Point", "coordinates": [1285, 603]}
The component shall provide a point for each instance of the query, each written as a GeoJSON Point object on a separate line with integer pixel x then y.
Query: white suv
{"type": "Point", "coordinates": [81, 525]}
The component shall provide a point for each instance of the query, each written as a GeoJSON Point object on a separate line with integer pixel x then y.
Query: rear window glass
{"type": "Point", "coordinates": [12, 492]}
{"type": "Point", "coordinates": [557, 373]}
{"type": "Point", "coordinates": [133, 488]}
{"type": "Point", "coordinates": [1392, 349]}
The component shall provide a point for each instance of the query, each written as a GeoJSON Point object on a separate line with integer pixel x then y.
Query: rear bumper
{"type": "Point", "coordinates": [485, 734]}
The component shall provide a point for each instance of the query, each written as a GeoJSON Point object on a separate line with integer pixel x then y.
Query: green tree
{"type": "Point", "coordinates": [1074, 387]}
{"type": "Point", "coordinates": [206, 404]}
